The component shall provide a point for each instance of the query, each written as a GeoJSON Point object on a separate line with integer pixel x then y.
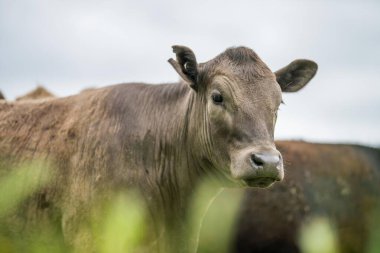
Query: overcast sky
{"type": "Point", "coordinates": [71, 45]}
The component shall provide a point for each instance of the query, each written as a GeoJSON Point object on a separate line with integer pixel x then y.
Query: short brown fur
{"type": "Point", "coordinates": [160, 139]}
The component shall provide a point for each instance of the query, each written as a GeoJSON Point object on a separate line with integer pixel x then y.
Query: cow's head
{"type": "Point", "coordinates": [236, 99]}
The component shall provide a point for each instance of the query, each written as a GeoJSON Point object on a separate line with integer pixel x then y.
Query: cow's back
{"type": "Point", "coordinates": [40, 128]}
{"type": "Point", "coordinates": [70, 138]}
{"type": "Point", "coordinates": [340, 182]}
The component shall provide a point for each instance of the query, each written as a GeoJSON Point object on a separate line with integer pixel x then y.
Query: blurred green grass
{"type": "Point", "coordinates": [120, 226]}
{"type": "Point", "coordinates": [21, 182]}
{"type": "Point", "coordinates": [318, 235]}
{"type": "Point", "coordinates": [123, 227]}
{"type": "Point", "coordinates": [374, 240]}
{"type": "Point", "coordinates": [218, 226]}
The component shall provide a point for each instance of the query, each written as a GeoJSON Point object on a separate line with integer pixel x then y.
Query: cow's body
{"type": "Point", "coordinates": [340, 182]}
{"type": "Point", "coordinates": [159, 139]}
{"type": "Point", "coordinates": [85, 134]}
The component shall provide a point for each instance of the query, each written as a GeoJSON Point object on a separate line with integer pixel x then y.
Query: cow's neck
{"type": "Point", "coordinates": [177, 151]}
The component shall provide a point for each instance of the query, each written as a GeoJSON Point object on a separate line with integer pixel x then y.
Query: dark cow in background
{"type": "Point", "coordinates": [2, 96]}
{"type": "Point", "coordinates": [162, 140]}
{"type": "Point", "coordinates": [340, 182]}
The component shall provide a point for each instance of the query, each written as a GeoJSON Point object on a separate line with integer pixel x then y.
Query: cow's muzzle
{"type": "Point", "coordinates": [257, 166]}
{"type": "Point", "coordinates": [267, 168]}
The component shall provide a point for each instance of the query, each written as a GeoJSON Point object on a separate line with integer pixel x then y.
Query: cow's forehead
{"type": "Point", "coordinates": [248, 74]}
{"type": "Point", "coordinates": [239, 63]}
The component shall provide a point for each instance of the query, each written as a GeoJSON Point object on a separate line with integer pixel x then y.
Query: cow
{"type": "Point", "coordinates": [2, 96]}
{"type": "Point", "coordinates": [38, 93]}
{"type": "Point", "coordinates": [338, 181]}
{"type": "Point", "coordinates": [163, 140]}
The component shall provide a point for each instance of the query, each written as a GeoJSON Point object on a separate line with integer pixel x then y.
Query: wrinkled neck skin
{"type": "Point", "coordinates": [172, 146]}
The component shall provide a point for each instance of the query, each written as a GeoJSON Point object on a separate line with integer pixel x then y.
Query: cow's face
{"type": "Point", "coordinates": [238, 97]}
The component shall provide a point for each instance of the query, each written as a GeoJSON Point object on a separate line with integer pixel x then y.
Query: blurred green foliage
{"type": "Point", "coordinates": [119, 224]}
{"type": "Point", "coordinates": [17, 185]}
{"type": "Point", "coordinates": [122, 225]}
{"type": "Point", "coordinates": [318, 236]}
{"type": "Point", "coordinates": [219, 222]}
{"type": "Point", "coordinates": [21, 182]}
{"type": "Point", "coordinates": [374, 240]}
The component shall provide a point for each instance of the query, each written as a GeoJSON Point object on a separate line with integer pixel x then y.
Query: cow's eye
{"type": "Point", "coordinates": [217, 98]}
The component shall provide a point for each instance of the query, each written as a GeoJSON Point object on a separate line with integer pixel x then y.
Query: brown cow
{"type": "Point", "coordinates": [38, 93]}
{"type": "Point", "coordinates": [161, 139]}
{"type": "Point", "coordinates": [341, 182]}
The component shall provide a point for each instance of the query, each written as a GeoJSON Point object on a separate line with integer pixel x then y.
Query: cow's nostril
{"type": "Point", "coordinates": [265, 160]}
{"type": "Point", "coordinates": [257, 160]}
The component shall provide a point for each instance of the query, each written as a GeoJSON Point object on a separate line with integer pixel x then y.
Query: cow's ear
{"type": "Point", "coordinates": [296, 75]}
{"type": "Point", "coordinates": [186, 65]}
